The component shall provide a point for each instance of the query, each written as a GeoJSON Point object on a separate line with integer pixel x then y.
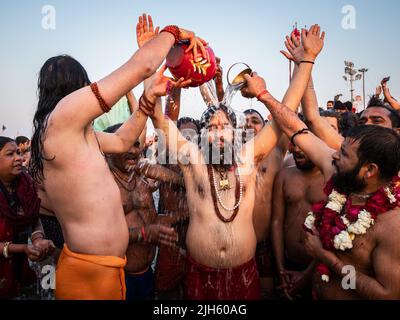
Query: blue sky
{"type": "Point", "coordinates": [101, 35]}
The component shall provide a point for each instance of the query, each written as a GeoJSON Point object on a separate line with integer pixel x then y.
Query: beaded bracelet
{"type": "Point", "coordinates": [174, 30]}
{"type": "Point", "coordinates": [103, 105]}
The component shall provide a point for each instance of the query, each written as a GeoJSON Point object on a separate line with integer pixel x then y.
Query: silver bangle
{"type": "Point", "coordinates": [37, 232]}
{"type": "Point", "coordinates": [5, 250]}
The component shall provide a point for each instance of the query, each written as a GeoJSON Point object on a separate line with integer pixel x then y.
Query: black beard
{"type": "Point", "coordinates": [348, 182]}
{"type": "Point", "coordinates": [217, 157]}
{"type": "Point", "coordinates": [307, 166]}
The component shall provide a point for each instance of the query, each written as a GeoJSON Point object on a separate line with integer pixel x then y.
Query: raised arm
{"type": "Point", "coordinates": [173, 104]}
{"type": "Point", "coordinates": [167, 130]}
{"type": "Point", "coordinates": [318, 152]}
{"type": "Point", "coordinates": [321, 128]}
{"type": "Point", "coordinates": [269, 136]}
{"type": "Point", "coordinates": [127, 135]}
{"type": "Point", "coordinates": [392, 101]}
{"type": "Point", "coordinates": [174, 141]}
{"type": "Point", "coordinates": [309, 101]}
{"type": "Point", "coordinates": [132, 102]}
{"type": "Point", "coordinates": [219, 82]}
{"type": "Point", "coordinates": [78, 109]}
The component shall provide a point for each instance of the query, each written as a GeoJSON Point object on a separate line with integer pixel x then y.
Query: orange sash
{"type": "Point", "coordinates": [89, 277]}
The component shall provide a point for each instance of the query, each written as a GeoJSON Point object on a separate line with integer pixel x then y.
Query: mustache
{"type": "Point", "coordinates": [131, 156]}
{"type": "Point", "coordinates": [299, 155]}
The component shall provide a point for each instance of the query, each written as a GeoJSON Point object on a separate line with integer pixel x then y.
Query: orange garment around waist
{"type": "Point", "coordinates": [89, 277]}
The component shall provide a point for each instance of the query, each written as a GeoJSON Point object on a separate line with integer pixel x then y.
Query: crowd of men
{"type": "Point", "coordinates": [212, 208]}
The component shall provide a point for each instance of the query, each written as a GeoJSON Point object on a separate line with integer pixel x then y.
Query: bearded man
{"type": "Point", "coordinates": [296, 188]}
{"type": "Point", "coordinates": [355, 233]}
{"type": "Point", "coordinates": [221, 240]}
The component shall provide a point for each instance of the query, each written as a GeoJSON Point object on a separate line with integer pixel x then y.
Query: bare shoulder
{"type": "Point", "coordinates": [387, 226]}
{"type": "Point", "coordinates": [289, 172]}
{"type": "Point", "coordinates": [189, 153]}
{"type": "Point", "coordinates": [281, 176]}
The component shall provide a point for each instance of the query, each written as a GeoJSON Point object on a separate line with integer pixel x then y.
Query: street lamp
{"type": "Point", "coordinates": [363, 71]}
{"type": "Point", "coordinates": [351, 76]}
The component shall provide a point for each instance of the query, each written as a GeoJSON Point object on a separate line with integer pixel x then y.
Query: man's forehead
{"type": "Point", "coordinates": [350, 145]}
{"type": "Point", "coordinates": [376, 112]}
{"type": "Point", "coordinates": [219, 116]}
{"type": "Point", "coordinates": [253, 115]}
{"type": "Point", "coordinates": [187, 125]}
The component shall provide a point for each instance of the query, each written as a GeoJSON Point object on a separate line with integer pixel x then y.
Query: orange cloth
{"type": "Point", "coordinates": [89, 277]}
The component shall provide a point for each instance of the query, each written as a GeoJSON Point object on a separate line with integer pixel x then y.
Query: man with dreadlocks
{"type": "Point", "coordinates": [220, 182]}
{"type": "Point", "coordinates": [67, 157]}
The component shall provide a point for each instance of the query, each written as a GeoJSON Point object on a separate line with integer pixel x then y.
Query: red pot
{"type": "Point", "coordinates": [182, 65]}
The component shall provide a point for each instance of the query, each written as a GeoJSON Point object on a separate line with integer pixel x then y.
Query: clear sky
{"type": "Point", "coordinates": [101, 35]}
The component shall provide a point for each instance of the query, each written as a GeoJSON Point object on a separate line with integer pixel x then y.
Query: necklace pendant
{"type": "Point", "coordinates": [224, 185]}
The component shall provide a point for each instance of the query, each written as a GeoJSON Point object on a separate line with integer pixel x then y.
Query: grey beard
{"type": "Point", "coordinates": [221, 156]}
{"type": "Point", "coordinates": [129, 168]}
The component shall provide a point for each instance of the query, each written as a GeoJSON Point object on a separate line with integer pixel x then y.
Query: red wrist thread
{"type": "Point", "coordinates": [261, 94]}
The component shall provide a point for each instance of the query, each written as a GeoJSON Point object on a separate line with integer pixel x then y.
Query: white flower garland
{"type": "Point", "coordinates": [336, 201]}
{"type": "Point", "coordinates": [344, 240]}
{"type": "Point", "coordinates": [390, 195]}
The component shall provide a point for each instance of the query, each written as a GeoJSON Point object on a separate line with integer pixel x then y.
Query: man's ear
{"type": "Point", "coordinates": [372, 170]}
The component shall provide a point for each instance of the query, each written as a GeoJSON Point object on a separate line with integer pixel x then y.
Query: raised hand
{"type": "Point", "coordinates": [378, 91]}
{"type": "Point", "coordinates": [160, 85]}
{"type": "Point", "coordinates": [295, 48]}
{"type": "Point", "coordinates": [255, 85]}
{"type": "Point", "coordinates": [145, 30]}
{"type": "Point", "coordinates": [385, 81]}
{"type": "Point", "coordinates": [196, 43]}
{"type": "Point", "coordinates": [312, 41]}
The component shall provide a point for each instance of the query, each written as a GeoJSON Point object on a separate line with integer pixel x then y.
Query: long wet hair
{"type": "Point", "coordinates": [59, 77]}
